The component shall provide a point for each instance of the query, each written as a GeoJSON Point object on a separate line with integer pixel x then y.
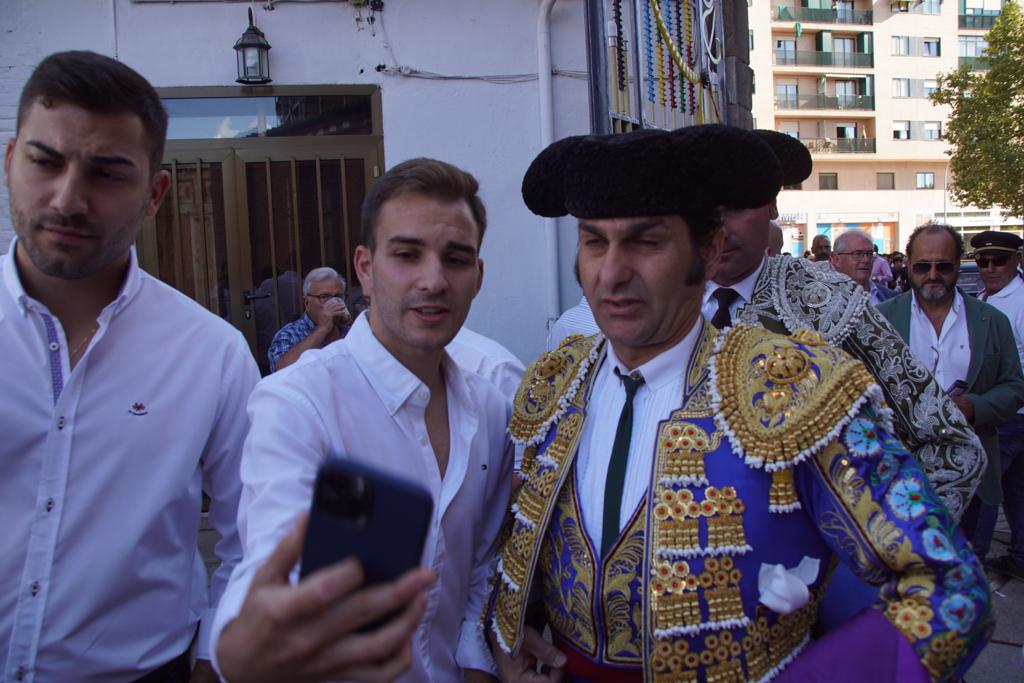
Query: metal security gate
{"type": "Point", "coordinates": [243, 224]}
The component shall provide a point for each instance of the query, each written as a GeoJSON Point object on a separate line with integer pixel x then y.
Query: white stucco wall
{"type": "Point", "coordinates": [490, 130]}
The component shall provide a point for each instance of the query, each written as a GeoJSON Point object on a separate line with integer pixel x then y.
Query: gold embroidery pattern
{"type": "Point", "coordinates": [532, 509]}
{"type": "Point", "coordinates": [548, 385]}
{"type": "Point", "coordinates": [677, 522]}
{"type": "Point", "coordinates": [567, 571]}
{"type": "Point", "coordinates": [782, 495]}
{"type": "Point", "coordinates": [622, 591]}
{"type": "Point", "coordinates": [777, 397]}
{"type": "Point", "coordinates": [677, 589]}
{"type": "Point", "coordinates": [682, 445]}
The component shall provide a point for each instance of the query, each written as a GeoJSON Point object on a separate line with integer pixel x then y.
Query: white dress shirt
{"type": "Point", "coordinates": [657, 397]}
{"type": "Point", "coordinates": [485, 357]}
{"type": "Point", "coordinates": [1010, 301]}
{"type": "Point", "coordinates": [577, 320]}
{"type": "Point", "coordinates": [102, 470]}
{"type": "Point", "coordinates": [947, 354]}
{"type": "Point", "coordinates": [354, 399]}
{"type": "Point", "coordinates": [745, 289]}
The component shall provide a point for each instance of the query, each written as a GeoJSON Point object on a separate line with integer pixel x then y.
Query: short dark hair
{"type": "Point", "coordinates": [100, 85]}
{"type": "Point", "coordinates": [933, 227]}
{"type": "Point", "coordinates": [426, 177]}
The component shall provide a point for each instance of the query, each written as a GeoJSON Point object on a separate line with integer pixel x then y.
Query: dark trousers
{"type": "Point", "coordinates": [979, 519]}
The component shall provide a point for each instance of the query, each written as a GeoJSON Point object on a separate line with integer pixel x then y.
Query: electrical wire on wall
{"type": "Point", "coordinates": [497, 79]}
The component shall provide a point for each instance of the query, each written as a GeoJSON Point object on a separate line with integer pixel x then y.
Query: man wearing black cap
{"type": "Point", "coordinates": [783, 295]}
{"type": "Point", "coordinates": [998, 257]}
{"type": "Point", "coordinates": [687, 489]}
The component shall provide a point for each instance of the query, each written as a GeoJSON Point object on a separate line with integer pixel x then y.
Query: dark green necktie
{"type": "Point", "coordinates": [617, 466]}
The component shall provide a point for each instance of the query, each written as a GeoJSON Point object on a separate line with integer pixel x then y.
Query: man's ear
{"type": "Point", "coordinates": [157, 190]}
{"type": "Point", "coordinates": [711, 253]}
{"type": "Point", "coordinates": [363, 262]}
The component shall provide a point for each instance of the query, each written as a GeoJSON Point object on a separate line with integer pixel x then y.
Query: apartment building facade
{"type": "Point", "coordinates": [851, 79]}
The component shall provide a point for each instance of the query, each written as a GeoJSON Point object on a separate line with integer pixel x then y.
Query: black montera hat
{"type": "Point", "coordinates": [993, 240]}
{"type": "Point", "coordinates": [792, 154]}
{"type": "Point", "coordinates": [652, 172]}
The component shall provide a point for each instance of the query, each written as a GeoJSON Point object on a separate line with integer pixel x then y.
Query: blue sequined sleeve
{"type": "Point", "coordinates": [875, 508]}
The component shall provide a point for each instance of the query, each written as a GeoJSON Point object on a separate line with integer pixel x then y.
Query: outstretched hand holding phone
{"type": "Point", "coordinates": [310, 632]}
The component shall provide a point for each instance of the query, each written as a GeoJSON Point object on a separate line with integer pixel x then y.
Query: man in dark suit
{"type": "Point", "coordinates": [969, 347]}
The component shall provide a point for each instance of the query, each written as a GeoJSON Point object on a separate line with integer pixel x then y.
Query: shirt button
{"type": "Point", "coordinates": [49, 504]}
{"type": "Point", "coordinates": [20, 673]}
{"type": "Point", "coordinates": [60, 422]}
{"type": "Point", "coordinates": [35, 588]}
{"type": "Point", "coordinates": [54, 346]}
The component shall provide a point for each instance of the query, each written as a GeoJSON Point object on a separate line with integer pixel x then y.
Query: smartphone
{"type": "Point", "coordinates": [360, 511]}
{"type": "Point", "coordinates": [956, 388]}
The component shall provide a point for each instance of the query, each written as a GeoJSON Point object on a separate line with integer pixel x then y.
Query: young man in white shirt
{"type": "Point", "coordinates": [389, 395]}
{"type": "Point", "coordinates": [123, 399]}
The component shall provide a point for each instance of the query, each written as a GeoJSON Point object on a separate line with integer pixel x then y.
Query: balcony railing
{"type": "Point", "coordinates": [840, 145]}
{"type": "Point", "coordinates": [982, 21]}
{"type": "Point", "coordinates": [820, 101]}
{"type": "Point", "coordinates": [976, 63]}
{"type": "Point", "coordinates": [819, 58]}
{"type": "Point", "coordinates": [823, 16]}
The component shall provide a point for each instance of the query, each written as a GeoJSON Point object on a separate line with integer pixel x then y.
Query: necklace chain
{"type": "Point", "coordinates": [84, 341]}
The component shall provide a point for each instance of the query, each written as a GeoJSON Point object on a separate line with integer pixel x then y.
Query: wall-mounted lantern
{"type": "Point", "coordinates": [253, 53]}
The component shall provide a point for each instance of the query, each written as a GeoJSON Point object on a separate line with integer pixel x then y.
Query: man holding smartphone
{"type": "Point", "coordinates": [387, 395]}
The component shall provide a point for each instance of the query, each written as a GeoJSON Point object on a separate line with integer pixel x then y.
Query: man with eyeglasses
{"type": "Point", "coordinates": [325, 320]}
{"type": "Point", "coordinates": [969, 347]}
{"type": "Point", "coordinates": [853, 257]}
{"type": "Point", "coordinates": [998, 257]}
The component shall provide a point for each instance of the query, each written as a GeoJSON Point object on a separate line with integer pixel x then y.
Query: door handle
{"type": "Point", "coordinates": [247, 297]}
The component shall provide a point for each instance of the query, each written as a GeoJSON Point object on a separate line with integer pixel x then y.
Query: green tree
{"type": "Point", "coordinates": [986, 125]}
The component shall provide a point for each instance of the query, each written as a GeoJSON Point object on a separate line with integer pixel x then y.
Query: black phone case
{"type": "Point", "coordinates": [391, 541]}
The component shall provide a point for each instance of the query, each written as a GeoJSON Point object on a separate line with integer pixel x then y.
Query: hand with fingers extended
{"type": "Point", "coordinates": [310, 632]}
{"type": "Point", "coordinates": [523, 667]}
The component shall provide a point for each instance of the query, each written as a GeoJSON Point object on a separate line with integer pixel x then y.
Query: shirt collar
{"type": "Point", "coordinates": [129, 288]}
{"type": "Point", "coordinates": [1011, 287]}
{"type": "Point", "coordinates": [745, 287]}
{"type": "Point", "coordinates": [666, 366]}
{"type": "Point", "coordinates": [391, 380]}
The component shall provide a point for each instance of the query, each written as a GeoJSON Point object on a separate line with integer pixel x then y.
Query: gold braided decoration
{"type": "Point", "coordinates": [548, 385]}
{"type": "Point", "coordinates": [782, 399]}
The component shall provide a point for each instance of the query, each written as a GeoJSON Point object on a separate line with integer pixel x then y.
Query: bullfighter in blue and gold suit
{"type": "Point", "coordinates": [774, 461]}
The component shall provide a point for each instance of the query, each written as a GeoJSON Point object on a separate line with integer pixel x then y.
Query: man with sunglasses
{"type": "Point", "coordinates": [998, 257]}
{"type": "Point", "coordinates": [969, 347]}
{"type": "Point", "coordinates": [325, 319]}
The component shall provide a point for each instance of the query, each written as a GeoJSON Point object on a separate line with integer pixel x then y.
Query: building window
{"type": "Point", "coordinates": [901, 130]}
{"type": "Point", "coordinates": [930, 47]}
{"type": "Point", "coordinates": [924, 180]}
{"type": "Point", "coordinates": [932, 130]}
{"type": "Point", "coordinates": [797, 186]}
{"type": "Point", "coordinates": [828, 181]}
{"type": "Point", "coordinates": [750, 40]}
{"type": "Point", "coordinates": [930, 87]}
{"type": "Point", "coordinates": [931, 7]}
{"type": "Point", "coordinates": [886, 181]}
{"type": "Point", "coordinates": [786, 96]}
{"type": "Point", "coordinates": [901, 87]}
{"type": "Point", "coordinates": [972, 46]}
{"type": "Point", "coordinates": [901, 45]}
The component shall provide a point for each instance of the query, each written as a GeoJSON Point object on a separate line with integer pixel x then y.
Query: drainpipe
{"type": "Point", "coordinates": [547, 136]}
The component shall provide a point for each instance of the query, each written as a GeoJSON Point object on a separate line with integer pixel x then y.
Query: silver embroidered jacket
{"type": "Point", "coordinates": [792, 293]}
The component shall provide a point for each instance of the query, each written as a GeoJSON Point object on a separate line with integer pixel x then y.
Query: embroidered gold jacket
{"type": "Point", "coordinates": [792, 294]}
{"type": "Point", "coordinates": [780, 449]}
